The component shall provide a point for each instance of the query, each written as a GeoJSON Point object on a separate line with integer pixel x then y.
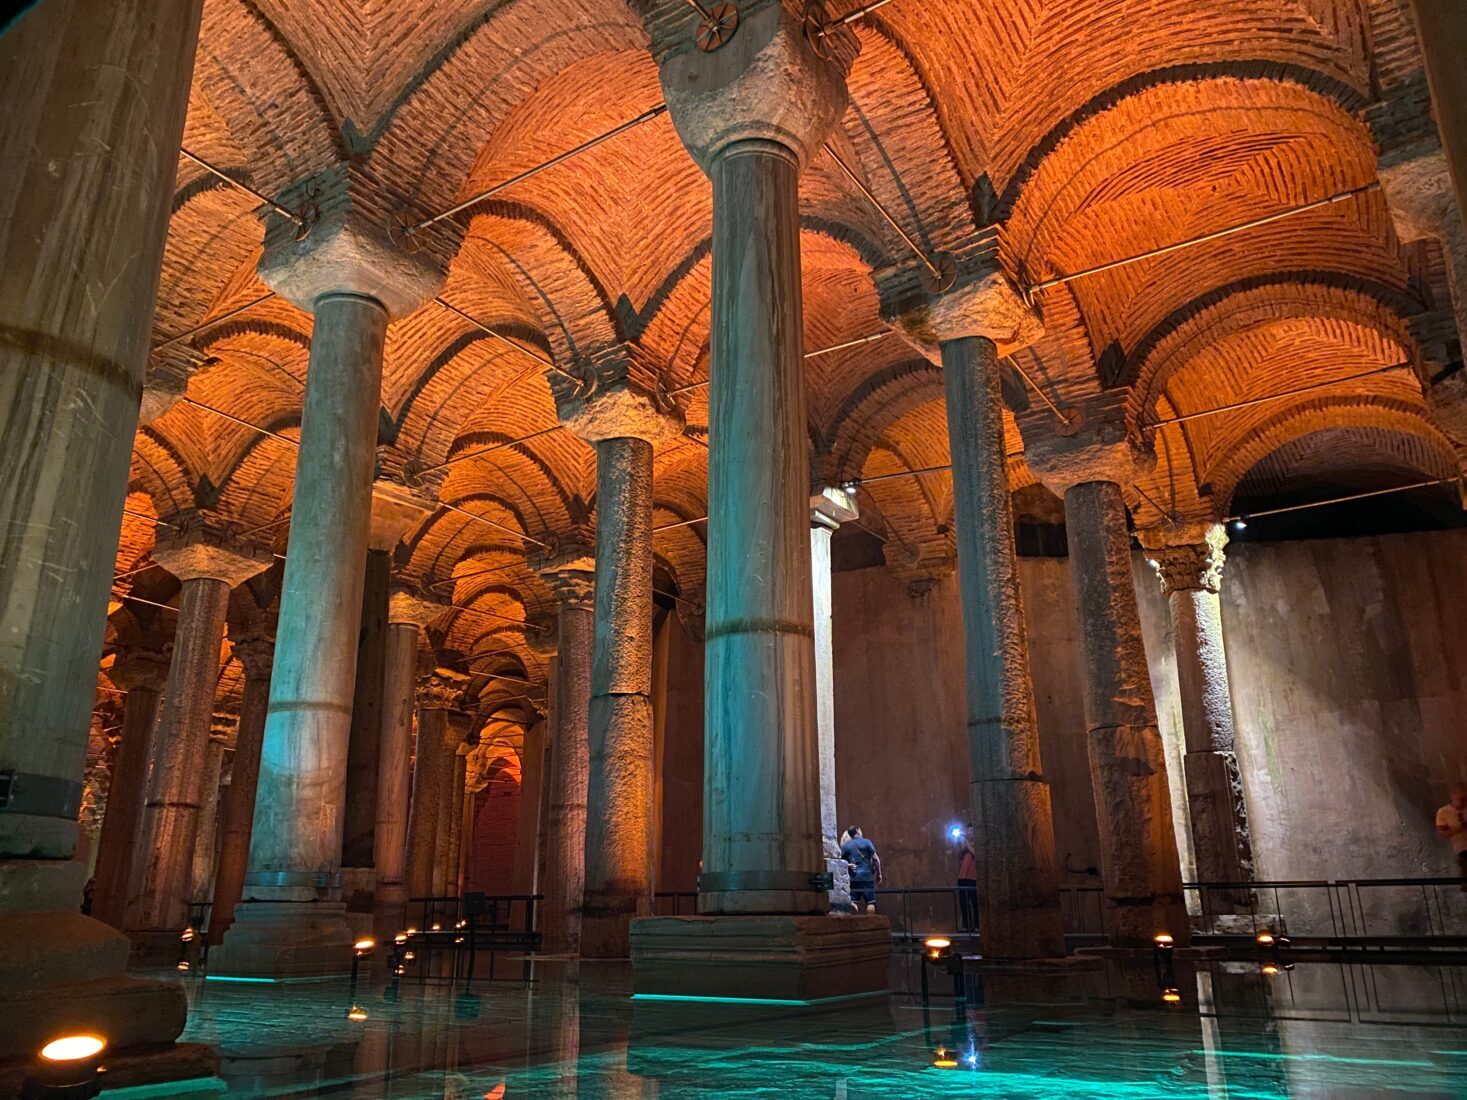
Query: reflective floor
{"type": "Point", "coordinates": [1320, 1030]}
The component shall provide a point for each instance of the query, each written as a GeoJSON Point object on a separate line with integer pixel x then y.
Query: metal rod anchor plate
{"type": "Point", "coordinates": [717, 27]}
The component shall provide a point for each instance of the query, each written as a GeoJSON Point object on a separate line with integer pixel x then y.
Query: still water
{"type": "Point", "coordinates": [1320, 1030]}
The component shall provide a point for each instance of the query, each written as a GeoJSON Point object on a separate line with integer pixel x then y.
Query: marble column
{"type": "Point", "coordinates": [573, 583]}
{"type": "Point", "coordinates": [828, 510]}
{"type": "Point", "coordinates": [450, 812]}
{"type": "Point", "coordinates": [1189, 563]}
{"type": "Point", "coordinates": [438, 696]}
{"type": "Point", "coordinates": [1018, 890]}
{"type": "Point", "coordinates": [142, 675]}
{"type": "Point", "coordinates": [210, 562]}
{"type": "Point", "coordinates": [201, 873]}
{"type": "Point", "coordinates": [1139, 860]}
{"type": "Point", "coordinates": [95, 94]}
{"type": "Point", "coordinates": [255, 650]}
{"type": "Point", "coordinates": [524, 880]}
{"type": "Point", "coordinates": [364, 741]}
{"type": "Point", "coordinates": [406, 614]}
{"type": "Point", "coordinates": [351, 278]}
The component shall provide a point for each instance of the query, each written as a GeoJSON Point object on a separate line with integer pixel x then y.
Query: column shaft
{"type": "Point", "coordinates": [171, 817]}
{"type": "Point", "coordinates": [1143, 878]}
{"type": "Point", "coordinates": [1019, 912]}
{"type": "Point", "coordinates": [430, 774]}
{"type": "Point", "coordinates": [95, 94]}
{"type": "Point", "coordinates": [830, 830]}
{"type": "Point", "coordinates": [450, 826]}
{"type": "Point", "coordinates": [619, 801]}
{"type": "Point", "coordinates": [237, 818]}
{"type": "Point", "coordinates": [527, 825]}
{"type": "Point", "coordinates": [394, 774]}
{"type": "Point", "coordinates": [565, 838]}
{"type": "Point", "coordinates": [201, 876]}
{"type": "Point", "coordinates": [365, 739]}
{"type": "Point", "coordinates": [117, 848]}
{"type": "Point", "coordinates": [761, 829]}
{"type": "Point", "coordinates": [1219, 817]}
{"type": "Point", "coordinates": [296, 847]}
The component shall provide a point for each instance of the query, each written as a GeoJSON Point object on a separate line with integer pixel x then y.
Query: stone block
{"type": "Point", "coordinates": [806, 959]}
{"type": "Point", "coordinates": [285, 940]}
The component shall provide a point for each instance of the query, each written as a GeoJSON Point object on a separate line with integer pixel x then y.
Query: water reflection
{"type": "Point", "coordinates": [1319, 1030]}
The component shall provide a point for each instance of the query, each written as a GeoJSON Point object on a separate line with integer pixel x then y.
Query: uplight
{"type": "Point", "coordinates": [937, 943]}
{"type": "Point", "coordinates": [361, 947]}
{"type": "Point", "coordinates": [1171, 996]}
{"type": "Point", "coordinates": [945, 1063]}
{"type": "Point", "coordinates": [1162, 939]}
{"type": "Point", "coordinates": [1265, 939]}
{"type": "Point", "coordinates": [73, 1048]}
{"type": "Point", "coordinates": [357, 1013]}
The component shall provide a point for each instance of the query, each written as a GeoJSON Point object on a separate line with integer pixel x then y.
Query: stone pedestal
{"type": "Point", "coordinates": [802, 960]}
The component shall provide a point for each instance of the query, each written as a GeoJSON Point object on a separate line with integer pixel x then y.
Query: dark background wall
{"type": "Point", "coordinates": [1349, 674]}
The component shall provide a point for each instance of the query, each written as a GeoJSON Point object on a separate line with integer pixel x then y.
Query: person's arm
{"type": "Point", "coordinates": [876, 864]}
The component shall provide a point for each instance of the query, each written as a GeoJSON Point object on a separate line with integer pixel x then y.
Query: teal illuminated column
{"type": "Point", "coordinates": [1018, 889]}
{"type": "Point", "coordinates": [353, 282]}
{"type": "Point", "coordinates": [1138, 850]}
{"type": "Point", "coordinates": [94, 94]}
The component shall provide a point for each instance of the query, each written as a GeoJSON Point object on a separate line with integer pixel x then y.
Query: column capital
{"type": "Point", "coordinates": [767, 83]}
{"type": "Point", "coordinates": [256, 652]}
{"type": "Point", "coordinates": [833, 506]}
{"type": "Point", "coordinates": [921, 567]}
{"type": "Point", "coordinates": [1188, 557]}
{"type": "Point", "coordinates": [981, 303]}
{"type": "Point", "coordinates": [196, 543]}
{"type": "Point", "coordinates": [692, 611]}
{"type": "Point", "coordinates": [415, 606]}
{"type": "Point", "coordinates": [617, 393]}
{"type": "Point", "coordinates": [442, 689]}
{"type": "Point", "coordinates": [140, 668]}
{"type": "Point", "coordinates": [567, 563]}
{"type": "Point", "coordinates": [354, 244]}
{"type": "Point", "coordinates": [541, 636]}
{"type": "Point", "coordinates": [396, 510]}
{"type": "Point", "coordinates": [1099, 448]}
{"type": "Point", "coordinates": [574, 588]}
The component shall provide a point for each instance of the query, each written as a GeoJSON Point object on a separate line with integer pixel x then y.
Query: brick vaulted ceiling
{"type": "Point", "coordinates": [1072, 132]}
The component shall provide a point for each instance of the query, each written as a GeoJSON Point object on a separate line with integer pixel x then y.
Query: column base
{"type": "Point", "coordinates": [179, 1071]}
{"type": "Point", "coordinates": [285, 939]}
{"type": "Point", "coordinates": [605, 936]}
{"type": "Point", "coordinates": [389, 910]}
{"type": "Point", "coordinates": [801, 961]}
{"type": "Point", "coordinates": [63, 973]}
{"type": "Point", "coordinates": [358, 888]}
{"type": "Point", "coordinates": [840, 884]}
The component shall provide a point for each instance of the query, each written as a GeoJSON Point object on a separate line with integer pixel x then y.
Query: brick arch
{"type": "Point", "coordinates": [1369, 457]}
{"type": "Point", "coordinates": [1391, 415]}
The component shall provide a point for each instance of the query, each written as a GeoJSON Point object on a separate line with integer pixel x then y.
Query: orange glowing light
{"type": "Point", "coordinates": [73, 1048]}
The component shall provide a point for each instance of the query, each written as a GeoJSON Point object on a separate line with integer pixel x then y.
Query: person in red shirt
{"type": "Point", "coordinates": [968, 883]}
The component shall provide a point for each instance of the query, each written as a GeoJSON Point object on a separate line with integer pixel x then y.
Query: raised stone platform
{"type": "Point", "coordinates": [798, 960]}
{"type": "Point", "coordinates": [285, 940]}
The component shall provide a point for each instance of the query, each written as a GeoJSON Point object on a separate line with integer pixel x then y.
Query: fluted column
{"type": "Point", "coordinates": [1139, 861]}
{"type": "Point", "coordinates": [438, 696]}
{"type": "Point", "coordinates": [210, 562]}
{"type": "Point", "coordinates": [256, 652]}
{"type": "Point", "coordinates": [406, 615]}
{"type": "Point", "coordinates": [828, 510]}
{"type": "Point", "coordinates": [142, 676]}
{"type": "Point", "coordinates": [565, 816]}
{"type": "Point", "coordinates": [1189, 563]}
{"type": "Point", "coordinates": [95, 94]}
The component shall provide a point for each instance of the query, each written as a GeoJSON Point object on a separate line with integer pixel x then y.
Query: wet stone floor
{"type": "Point", "coordinates": [1319, 1030]}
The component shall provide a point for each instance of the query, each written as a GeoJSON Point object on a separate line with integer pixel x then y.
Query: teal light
{"type": "Point", "coordinates": [1307, 1057]}
{"type": "Point", "coordinates": [684, 998]}
{"type": "Point", "coordinates": [232, 978]}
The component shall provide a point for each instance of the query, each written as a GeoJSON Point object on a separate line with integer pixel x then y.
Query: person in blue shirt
{"type": "Point", "coordinates": [860, 854]}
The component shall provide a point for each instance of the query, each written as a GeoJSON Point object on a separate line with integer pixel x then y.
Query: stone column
{"type": "Point", "coordinates": [753, 115]}
{"type": "Point", "coordinates": [527, 826]}
{"type": "Point", "coordinates": [210, 561]}
{"type": "Point", "coordinates": [828, 510]}
{"type": "Point", "coordinates": [406, 614]}
{"type": "Point", "coordinates": [449, 831]}
{"type": "Point", "coordinates": [201, 874]}
{"type": "Point", "coordinates": [256, 651]}
{"type": "Point", "coordinates": [353, 280]}
{"type": "Point", "coordinates": [1139, 862]}
{"type": "Point", "coordinates": [438, 696]}
{"type": "Point", "coordinates": [364, 741]}
{"type": "Point", "coordinates": [1189, 563]}
{"type": "Point", "coordinates": [571, 577]}
{"type": "Point", "coordinates": [142, 675]}
{"type": "Point", "coordinates": [1018, 892]}
{"type": "Point", "coordinates": [624, 420]}
{"type": "Point", "coordinates": [95, 93]}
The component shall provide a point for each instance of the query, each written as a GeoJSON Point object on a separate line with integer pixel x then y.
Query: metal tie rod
{"type": "Point", "coordinates": [298, 219]}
